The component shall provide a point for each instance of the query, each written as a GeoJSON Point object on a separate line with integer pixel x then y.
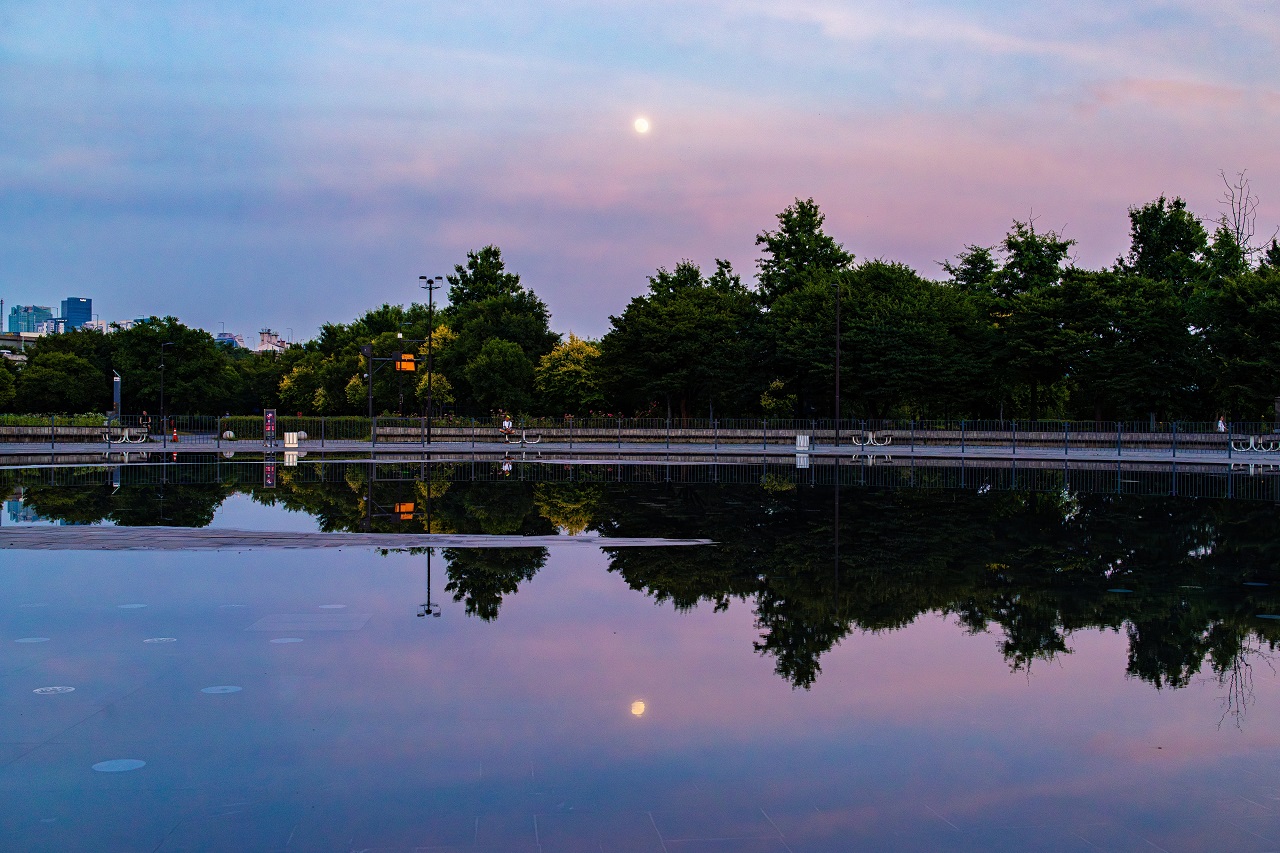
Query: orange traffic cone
{"type": "Point", "coordinates": [175, 434]}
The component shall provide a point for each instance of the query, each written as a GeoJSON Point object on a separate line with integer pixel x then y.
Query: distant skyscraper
{"type": "Point", "coordinates": [24, 318]}
{"type": "Point", "coordinates": [76, 311]}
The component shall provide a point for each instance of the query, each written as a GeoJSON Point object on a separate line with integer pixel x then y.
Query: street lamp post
{"type": "Point", "coordinates": [430, 285]}
{"type": "Point", "coordinates": [837, 430]}
{"type": "Point", "coordinates": [164, 432]}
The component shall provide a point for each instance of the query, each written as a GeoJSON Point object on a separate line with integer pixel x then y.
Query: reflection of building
{"type": "Point", "coordinates": [76, 311]}
{"type": "Point", "coordinates": [19, 513]}
{"type": "Point", "coordinates": [24, 318]}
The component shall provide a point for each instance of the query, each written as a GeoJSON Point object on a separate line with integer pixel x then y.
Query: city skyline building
{"type": "Point", "coordinates": [76, 311]}
{"type": "Point", "coordinates": [25, 318]}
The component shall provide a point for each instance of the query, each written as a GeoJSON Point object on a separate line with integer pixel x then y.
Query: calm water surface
{"type": "Point", "coordinates": [847, 669]}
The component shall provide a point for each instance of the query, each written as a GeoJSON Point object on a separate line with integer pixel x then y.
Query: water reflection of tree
{"type": "Point", "coordinates": [1034, 567]}
{"type": "Point", "coordinates": [1031, 567]}
{"type": "Point", "coordinates": [168, 504]}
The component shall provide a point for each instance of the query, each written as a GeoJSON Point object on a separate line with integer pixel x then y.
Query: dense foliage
{"type": "Point", "coordinates": [1185, 326]}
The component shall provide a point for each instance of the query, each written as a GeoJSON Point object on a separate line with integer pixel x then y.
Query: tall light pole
{"type": "Point", "coordinates": [430, 285]}
{"type": "Point", "coordinates": [164, 432]}
{"type": "Point", "coordinates": [837, 430]}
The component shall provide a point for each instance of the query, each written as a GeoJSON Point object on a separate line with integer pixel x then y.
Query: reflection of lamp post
{"type": "Point", "coordinates": [164, 432]}
{"type": "Point", "coordinates": [429, 608]}
{"type": "Point", "coordinates": [430, 285]}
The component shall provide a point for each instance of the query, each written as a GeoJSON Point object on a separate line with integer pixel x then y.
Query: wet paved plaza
{"type": "Point", "coordinates": [867, 669]}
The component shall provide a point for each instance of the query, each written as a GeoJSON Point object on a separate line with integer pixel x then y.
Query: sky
{"type": "Point", "coordinates": [241, 165]}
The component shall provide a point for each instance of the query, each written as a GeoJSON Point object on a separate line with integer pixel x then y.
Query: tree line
{"type": "Point", "coordinates": [1184, 326]}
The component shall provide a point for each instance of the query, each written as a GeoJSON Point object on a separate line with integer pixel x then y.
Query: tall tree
{"type": "Point", "coordinates": [568, 377]}
{"type": "Point", "coordinates": [798, 252]}
{"type": "Point", "coordinates": [689, 342]}
{"type": "Point", "coordinates": [198, 378]}
{"type": "Point", "coordinates": [1167, 243]}
{"type": "Point", "coordinates": [486, 302]}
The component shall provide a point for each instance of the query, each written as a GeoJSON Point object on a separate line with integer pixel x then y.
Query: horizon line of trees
{"type": "Point", "coordinates": [1186, 325]}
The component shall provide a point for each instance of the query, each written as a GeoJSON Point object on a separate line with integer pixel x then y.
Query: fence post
{"type": "Point", "coordinates": [423, 434]}
{"type": "Point", "coordinates": [962, 440]}
{"type": "Point", "coordinates": [619, 432]}
{"type": "Point", "coordinates": [766, 433]}
{"type": "Point", "coordinates": [373, 431]}
{"type": "Point", "coordinates": [1229, 428]}
{"type": "Point", "coordinates": [1119, 432]}
{"type": "Point", "coordinates": [323, 419]}
{"type": "Point", "coordinates": [668, 432]}
{"type": "Point", "coordinates": [913, 441]}
{"type": "Point", "coordinates": [571, 436]}
{"type": "Point", "coordinates": [53, 431]}
{"type": "Point", "coordinates": [217, 432]}
{"type": "Point", "coordinates": [1066, 449]}
{"type": "Point", "coordinates": [715, 434]}
{"type": "Point", "coordinates": [1175, 438]}
{"type": "Point", "coordinates": [1015, 436]}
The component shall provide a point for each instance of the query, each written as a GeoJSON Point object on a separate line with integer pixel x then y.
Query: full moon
{"type": "Point", "coordinates": [637, 708]}
{"type": "Point", "coordinates": [642, 125]}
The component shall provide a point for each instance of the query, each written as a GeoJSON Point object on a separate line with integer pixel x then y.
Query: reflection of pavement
{"type": "Point", "coordinates": [89, 538]}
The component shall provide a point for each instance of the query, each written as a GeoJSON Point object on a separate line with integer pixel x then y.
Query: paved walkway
{"type": "Point", "coordinates": [13, 454]}
{"type": "Point", "coordinates": [96, 538]}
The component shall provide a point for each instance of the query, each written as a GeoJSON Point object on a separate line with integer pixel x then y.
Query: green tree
{"type": "Point", "coordinates": [568, 377]}
{"type": "Point", "coordinates": [60, 382]}
{"type": "Point", "coordinates": [501, 377]}
{"type": "Point", "coordinates": [1241, 328]}
{"type": "Point", "coordinates": [1033, 340]}
{"type": "Point", "coordinates": [198, 377]}
{"type": "Point", "coordinates": [1136, 352]}
{"type": "Point", "coordinates": [913, 347]}
{"type": "Point", "coordinates": [1167, 243]}
{"type": "Point", "coordinates": [8, 388]}
{"type": "Point", "coordinates": [486, 302]}
{"type": "Point", "coordinates": [687, 343]}
{"type": "Point", "coordinates": [798, 252]}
